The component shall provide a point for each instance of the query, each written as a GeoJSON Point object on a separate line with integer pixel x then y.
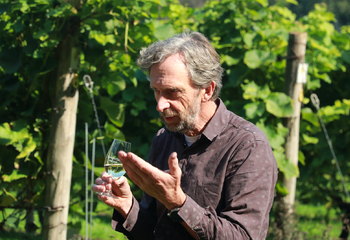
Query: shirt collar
{"type": "Point", "coordinates": [218, 122]}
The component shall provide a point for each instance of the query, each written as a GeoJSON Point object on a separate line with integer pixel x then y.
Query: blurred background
{"type": "Point", "coordinates": [55, 127]}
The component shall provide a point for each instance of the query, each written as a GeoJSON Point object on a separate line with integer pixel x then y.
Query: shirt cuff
{"type": "Point", "coordinates": [129, 222]}
{"type": "Point", "coordinates": [191, 213]}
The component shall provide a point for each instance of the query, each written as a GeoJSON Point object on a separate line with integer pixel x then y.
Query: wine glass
{"type": "Point", "coordinates": [112, 164]}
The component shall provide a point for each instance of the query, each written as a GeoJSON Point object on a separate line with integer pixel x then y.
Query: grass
{"type": "Point", "coordinates": [314, 222]}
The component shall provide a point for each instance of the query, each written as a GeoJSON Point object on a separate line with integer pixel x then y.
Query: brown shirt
{"type": "Point", "coordinates": [229, 176]}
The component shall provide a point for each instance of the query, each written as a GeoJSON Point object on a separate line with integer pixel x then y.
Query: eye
{"type": "Point", "coordinates": [172, 93]}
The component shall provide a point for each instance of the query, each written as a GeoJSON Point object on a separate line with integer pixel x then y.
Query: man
{"type": "Point", "coordinates": [210, 174]}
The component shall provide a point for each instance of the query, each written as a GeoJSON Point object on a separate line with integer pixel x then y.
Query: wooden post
{"type": "Point", "coordinates": [62, 136]}
{"type": "Point", "coordinates": [296, 55]}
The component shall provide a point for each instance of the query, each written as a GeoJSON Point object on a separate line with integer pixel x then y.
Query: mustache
{"type": "Point", "coordinates": [168, 113]}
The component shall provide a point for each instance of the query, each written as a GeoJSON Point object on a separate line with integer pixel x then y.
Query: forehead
{"type": "Point", "coordinates": [172, 72]}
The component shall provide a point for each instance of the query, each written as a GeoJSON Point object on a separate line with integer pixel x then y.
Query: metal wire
{"type": "Point", "coordinates": [92, 180]}
{"type": "Point", "coordinates": [316, 102]}
{"type": "Point", "coordinates": [89, 84]}
{"type": "Point", "coordinates": [86, 182]}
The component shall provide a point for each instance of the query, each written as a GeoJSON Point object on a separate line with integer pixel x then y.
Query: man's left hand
{"type": "Point", "coordinates": [164, 186]}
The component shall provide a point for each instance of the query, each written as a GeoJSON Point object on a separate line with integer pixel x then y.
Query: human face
{"type": "Point", "coordinates": [178, 100]}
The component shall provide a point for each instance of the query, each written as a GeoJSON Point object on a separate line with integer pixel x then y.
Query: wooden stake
{"type": "Point", "coordinates": [296, 55]}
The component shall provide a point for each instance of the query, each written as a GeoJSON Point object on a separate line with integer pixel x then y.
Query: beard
{"type": "Point", "coordinates": [187, 119]}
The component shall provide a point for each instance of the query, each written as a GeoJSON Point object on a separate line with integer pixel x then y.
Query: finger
{"type": "Point", "coordinates": [122, 155]}
{"type": "Point", "coordinates": [98, 188]}
{"type": "Point", "coordinates": [136, 168]}
{"type": "Point", "coordinates": [173, 163]}
{"type": "Point", "coordinates": [108, 186]}
{"type": "Point", "coordinates": [131, 159]}
{"type": "Point", "coordinates": [106, 177]}
{"type": "Point", "coordinates": [99, 181]}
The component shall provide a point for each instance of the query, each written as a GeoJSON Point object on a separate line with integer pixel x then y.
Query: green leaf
{"type": "Point", "coordinates": [248, 39]}
{"type": "Point", "coordinates": [253, 91]}
{"type": "Point", "coordinates": [101, 38]}
{"type": "Point", "coordinates": [279, 104]}
{"type": "Point", "coordinates": [286, 167]}
{"type": "Point", "coordinates": [13, 177]}
{"type": "Point", "coordinates": [254, 109]}
{"type": "Point", "coordinates": [115, 86]}
{"type": "Point", "coordinates": [254, 58]}
{"type": "Point", "coordinates": [163, 30]}
{"type": "Point", "coordinates": [292, 2]}
{"type": "Point", "coordinates": [17, 135]}
{"type": "Point", "coordinates": [309, 116]}
{"type": "Point", "coordinates": [115, 112]}
{"type": "Point", "coordinates": [229, 60]}
{"type": "Point", "coordinates": [263, 3]}
{"type": "Point", "coordinates": [5, 134]}
{"type": "Point", "coordinates": [281, 189]}
{"type": "Point", "coordinates": [275, 135]}
{"type": "Point", "coordinates": [29, 147]}
{"type": "Point", "coordinates": [112, 132]}
{"type": "Point", "coordinates": [309, 140]}
{"type": "Point", "coordinates": [301, 158]}
{"type": "Point", "coordinates": [7, 199]}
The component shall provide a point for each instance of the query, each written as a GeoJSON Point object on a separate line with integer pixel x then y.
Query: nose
{"type": "Point", "coordinates": [162, 104]}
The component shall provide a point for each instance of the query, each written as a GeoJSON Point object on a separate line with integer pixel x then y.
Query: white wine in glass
{"type": "Point", "coordinates": [112, 164]}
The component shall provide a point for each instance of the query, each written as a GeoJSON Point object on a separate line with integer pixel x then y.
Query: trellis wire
{"type": "Point", "coordinates": [316, 102]}
{"type": "Point", "coordinates": [86, 181]}
{"type": "Point", "coordinates": [92, 180]}
{"type": "Point", "coordinates": [89, 84]}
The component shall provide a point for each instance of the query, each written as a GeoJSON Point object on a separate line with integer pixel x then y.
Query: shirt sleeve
{"type": "Point", "coordinates": [247, 199]}
{"type": "Point", "coordinates": [139, 223]}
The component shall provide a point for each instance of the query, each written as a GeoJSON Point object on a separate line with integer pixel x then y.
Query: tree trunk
{"type": "Point", "coordinates": [62, 134]}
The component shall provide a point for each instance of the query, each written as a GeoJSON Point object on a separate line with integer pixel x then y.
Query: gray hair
{"type": "Point", "coordinates": [200, 58]}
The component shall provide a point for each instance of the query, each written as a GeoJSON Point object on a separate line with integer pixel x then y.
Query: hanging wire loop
{"type": "Point", "coordinates": [89, 84]}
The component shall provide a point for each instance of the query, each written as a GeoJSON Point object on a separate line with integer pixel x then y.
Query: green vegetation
{"type": "Point", "coordinates": [251, 36]}
{"type": "Point", "coordinates": [314, 222]}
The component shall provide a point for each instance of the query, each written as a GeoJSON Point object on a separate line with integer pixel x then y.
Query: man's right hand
{"type": "Point", "coordinates": [120, 188]}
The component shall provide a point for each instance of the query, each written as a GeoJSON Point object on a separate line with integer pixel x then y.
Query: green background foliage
{"type": "Point", "coordinates": [251, 38]}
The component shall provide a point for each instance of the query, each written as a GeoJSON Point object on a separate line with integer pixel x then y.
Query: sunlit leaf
{"type": "Point", "coordinates": [115, 86]}
{"type": "Point", "coordinates": [254, 109]}
{"type": "Point", "coordinates": [292, 2]}
{"type": "Point", "coordinates": [263, 3]}
{"type": "Point", "coordinates": [286, 167]}
{"type": "Point", "coordinates": [102, 38]}
{"type": "Point", "coordinates": [254, 58]}
{"type": "Point", "coordinates": [309, 140]}
{"type": "Point", "coordinates": [253, 91]}
{"type": "Point", "coordinates": [113, 132]}
{"type": "Point", "coordinates": [230, 60]}
{"type": "Point", "coordinates": [279, 104]}
{"type": "Point", "coordinates": [114, 111]}
{"type": "Point", "coordinates": [248, 39]}
{"type": "Point", "coordinates": [163, 30]}
{"type": "Point", "coordinates": [275, 135]}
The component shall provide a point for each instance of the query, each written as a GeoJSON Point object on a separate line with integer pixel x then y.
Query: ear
{"type": "Point", "coordinates": [208, 91]}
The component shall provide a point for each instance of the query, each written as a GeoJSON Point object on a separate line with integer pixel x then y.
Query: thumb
{"type": "Point", "coordinates": [120, 186]}
{"type": "Point", "coordinates": [174, 168]}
